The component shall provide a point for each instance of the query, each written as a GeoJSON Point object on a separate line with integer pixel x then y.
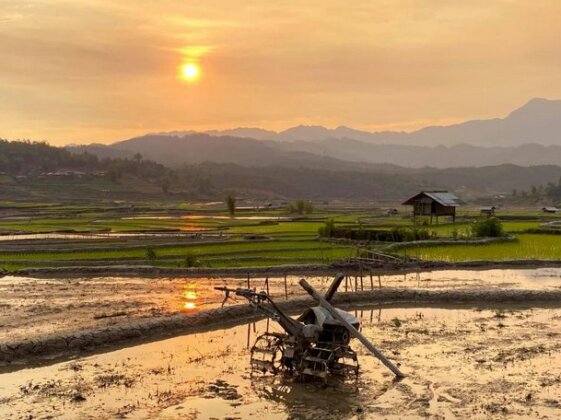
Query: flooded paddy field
{"type": "Point", "coordinates": [32, 308]}
{"type": "Point", "coordinates": [478, 362]}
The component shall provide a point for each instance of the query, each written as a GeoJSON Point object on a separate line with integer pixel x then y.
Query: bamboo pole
{"type": "Point", "coordinates": [267, 289]}
{"type": "Point", "coordinates": [352, 330]}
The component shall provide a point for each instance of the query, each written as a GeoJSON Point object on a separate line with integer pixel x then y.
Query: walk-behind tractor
{"type": "Point", "coordinates": [316, 344]}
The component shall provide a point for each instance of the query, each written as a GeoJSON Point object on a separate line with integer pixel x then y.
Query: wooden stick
{"type": "Point", "coordinates": [333, 287]}
{"type": "Point", "coordinates": [352, 330]}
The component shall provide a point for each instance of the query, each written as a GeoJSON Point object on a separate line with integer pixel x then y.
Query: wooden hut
{"type": "Point", "coordinates": [434, 204]}
{"type": "Point", "coordinates": [392, 212]}
{"type": "Point", "coordinates": [550, 209]}
{"type": "Point", "coordinates": [487, 211]}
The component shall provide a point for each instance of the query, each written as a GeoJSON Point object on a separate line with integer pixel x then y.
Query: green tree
{"type": "Point", "coordinates": [300, 207]}
{"type": "Point", "coordinates": [165, 184]}
{"type": "Point", "coordinates": [328, 229]}
{"type": "Point", "coordinates": [231, 204]}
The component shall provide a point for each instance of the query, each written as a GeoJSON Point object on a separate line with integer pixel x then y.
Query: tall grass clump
{"type": "Point", "coordinates": [151, 254]}
{"type": "Point", "coordinates": [326, 231]}
{"type": "Point", "coordinates": [489, 228]}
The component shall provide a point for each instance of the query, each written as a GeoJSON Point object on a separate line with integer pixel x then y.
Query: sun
{"type": "Point", "coordinates": [190, 72]}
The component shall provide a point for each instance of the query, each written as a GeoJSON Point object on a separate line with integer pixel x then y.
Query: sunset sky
{"type": "Point", "coordinates": [94, 70]}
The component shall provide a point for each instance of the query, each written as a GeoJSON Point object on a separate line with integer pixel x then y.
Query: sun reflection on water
{"type": "Point", "coordinates": [190, 297]}
{"type": "Point", "coordinates": [189, 305]}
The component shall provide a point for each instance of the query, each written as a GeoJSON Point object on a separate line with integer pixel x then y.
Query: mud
{"type": "Point", "coordinates": [150, 271]}
{"type": "Point", "coordinates": [45, 319]}
{"type": "Point", "coordinates": [460, 363]}
{"type": "Point", "coordinates": [382, 267]}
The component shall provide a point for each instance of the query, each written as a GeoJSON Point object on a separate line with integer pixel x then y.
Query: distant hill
{"type": "Point", "coordinates": [102, 151]}
{"type": "Point", "coordinates": [538, 121]}
{"type": "Point", "coordinates": [350, 154]}
{"type": "Point", "coordinates": [198, 148]}
{"type": "Point", "coordinates": [39, 170]}
{"type": "Point", "coordinates": [366, 184]}
{"type": "Point", "coordinates": [423, 156]}
{"type": "Point", "coordinates": [530, 135]}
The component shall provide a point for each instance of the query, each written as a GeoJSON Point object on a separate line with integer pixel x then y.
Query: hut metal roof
{"type": "Point", "coordinates": [442, 197]}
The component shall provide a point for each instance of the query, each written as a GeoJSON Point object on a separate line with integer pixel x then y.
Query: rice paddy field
{"type": "Point", "coordinates": [527, 247]}
{"type": "Point", "coordinates": [205, 235]}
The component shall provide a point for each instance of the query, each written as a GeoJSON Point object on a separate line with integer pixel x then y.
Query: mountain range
{"type": "Point", "coordinates": [538, 121]}
{"type": "Point", "coordinates": [529, 135]}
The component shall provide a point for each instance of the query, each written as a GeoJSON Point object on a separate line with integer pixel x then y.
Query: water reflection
{"type": "Point", "coordinates": [190, 297]}
{"type": "Point", "coordinates": [340, 400]}
{"type": "Point", "coordinates": [458, 371]}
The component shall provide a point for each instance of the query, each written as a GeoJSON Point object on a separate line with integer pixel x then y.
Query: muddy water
{"type": "Point", "coordinates": [209, 216]}
{"type": "Point", "coordinates": [101, 235]}
{"type": "Point", "coordinates": [540, 278]}
{"type": "Point", "coordinates": [34, 307]}
{"type": "Point", "coordinates": [460, 363]}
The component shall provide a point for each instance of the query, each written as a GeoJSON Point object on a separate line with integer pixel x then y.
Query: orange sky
{"type": "Point", "coordinates": [93, 70]}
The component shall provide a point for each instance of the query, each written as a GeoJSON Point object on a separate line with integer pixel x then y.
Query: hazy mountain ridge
{"type": "Point", "coordinates": [199, 148]}
{"type": "Point", "coordinates": [538, 121]}
{"type": "Point", "coordinates": [331, 153]}
{"type": "Point", "coordinates": [36, 168]}
{"type": "Point", "coordinates": [469, 183]}
{"type": "Point", "coordinates": [437, 156]}
{"type": "Point", "coordinates": [530, 135]}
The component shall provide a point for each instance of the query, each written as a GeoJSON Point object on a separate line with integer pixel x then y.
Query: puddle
{"type": "Point", "coordinates": [540, 278]}
{"type": "Point", "coordinates": [459, 363]}
{"type": "Point", "coordinates": [185, 231]}
{"type": "Point", "coordinates": [33, 307]}
{"type": "Point", "coordinates": [209, 216]}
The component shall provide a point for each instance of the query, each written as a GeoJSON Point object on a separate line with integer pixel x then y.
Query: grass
{"type": "Point", "coordinates": [233, 258]}
{"type": "Point", "coordinates": [528, 246]}
{"type": "Point", "coordinates": [206, 249]}
{"type": "Point", "coordinates": [295, 240]}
